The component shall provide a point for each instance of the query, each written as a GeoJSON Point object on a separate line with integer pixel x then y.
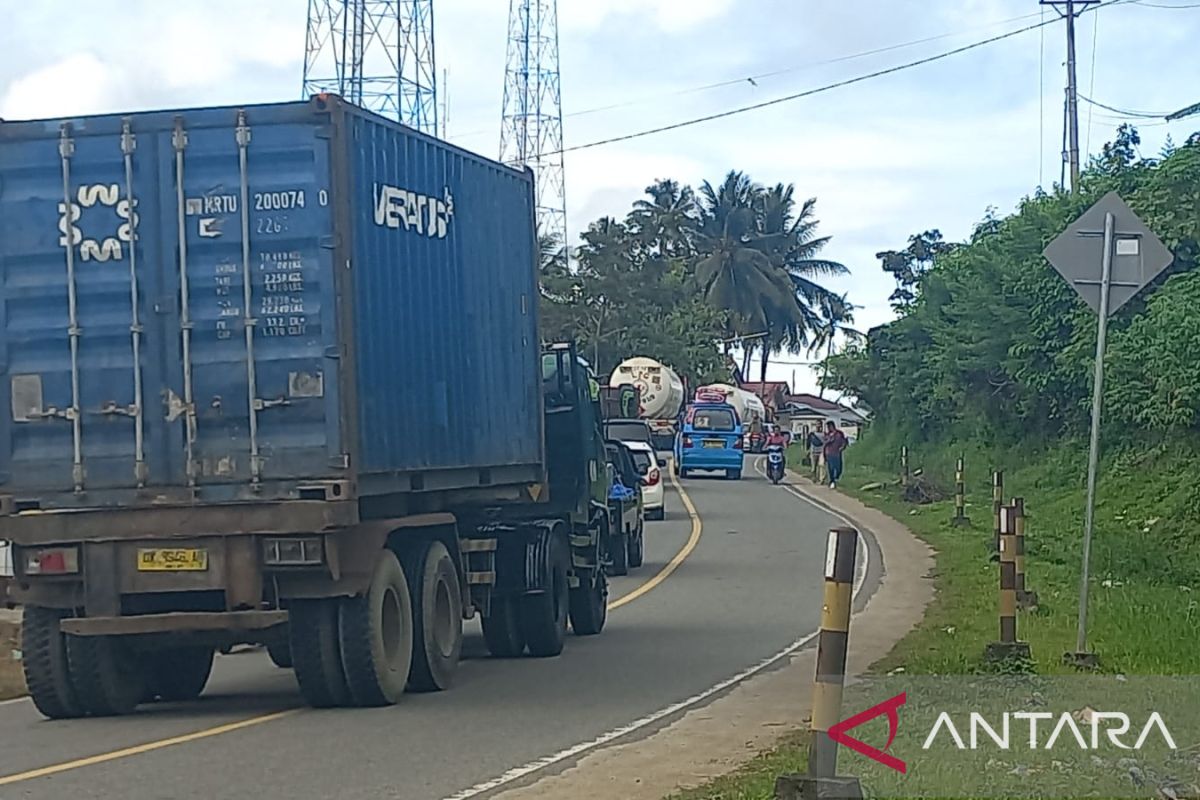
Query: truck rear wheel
{"type": "Point", "coordinates": [544, 615]}
{"type": "Point", "coordinates": [376, 635]}
{"type": "Point", "coordinates": [316, 658]}
{"type": "Point", "coordinates": [589, 604]}
{"type": "Point", "coordinates": [437, 619]}
{"type": "Point", "coordinates": [179, 673]}
{"type": "Point", "coordinates": [618, 549]}
{"type": "Point", "coordinates": [637, 545]}
{"type": "Point", "coordinates": [44, 660]}
{"type": "Point", "coordinates": [502, 628]}
{"type": "Point", "coordinates": [109, 678]}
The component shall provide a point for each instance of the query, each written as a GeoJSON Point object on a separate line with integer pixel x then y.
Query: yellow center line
{"type": "Point", "coordinates": [149, 747]}
{"type": "Point", "coordinates": [220, 730]}
{"type": "Point", "coordinates": [679, 558]}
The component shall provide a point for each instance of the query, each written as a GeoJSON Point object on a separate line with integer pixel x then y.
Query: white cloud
{"type": "Point", "coordinates": [78, 85]}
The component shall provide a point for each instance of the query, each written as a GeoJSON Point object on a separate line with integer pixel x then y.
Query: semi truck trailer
{"type": "Point", "coordinates": [273, 375]}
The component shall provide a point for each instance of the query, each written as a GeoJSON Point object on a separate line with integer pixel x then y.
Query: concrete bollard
{"type": "Point", "coordinates": [1008, 647]}
{"type": "Point", "coordinates": [822, 779]}
{"type": "Point", "coordinates": [960, 494]}
{"type": "Point", "coordinates": [1026, 599]}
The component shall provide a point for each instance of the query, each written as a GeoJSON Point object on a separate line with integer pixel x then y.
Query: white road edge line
{"type": "Point", "coordinates": [517, 773]}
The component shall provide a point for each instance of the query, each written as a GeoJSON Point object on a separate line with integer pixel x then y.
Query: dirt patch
{"type": "Point", "coordinates": [715, 739]}
{"type": "Point", "coordinates": [12, 682]}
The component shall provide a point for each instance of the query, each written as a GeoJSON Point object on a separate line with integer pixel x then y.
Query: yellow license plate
{"type": "Point", "coordinates": [714, 442]}
{"type": "Point", "coordinates": [172, 559]}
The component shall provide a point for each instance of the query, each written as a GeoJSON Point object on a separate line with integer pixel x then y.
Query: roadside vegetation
{"type": "Point", "coordinates": [689, 267]}
{"type": "Point", "coordinates": [991, 358]}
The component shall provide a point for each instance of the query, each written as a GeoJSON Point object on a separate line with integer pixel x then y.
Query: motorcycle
{"type": "Point", "coordinates": [756, 442]}
{"type": "Point", "coordinates": [775, 463]}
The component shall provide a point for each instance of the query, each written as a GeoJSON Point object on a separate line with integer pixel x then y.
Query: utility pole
{"type": "Point", "coordinates": [1070, 10]}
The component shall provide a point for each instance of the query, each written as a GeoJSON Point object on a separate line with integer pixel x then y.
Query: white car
{"type": "Point", "coordinates": [650, 466]}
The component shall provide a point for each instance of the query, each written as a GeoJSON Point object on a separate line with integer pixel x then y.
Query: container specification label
{"type": "Point", "coordinates": [281, 306]}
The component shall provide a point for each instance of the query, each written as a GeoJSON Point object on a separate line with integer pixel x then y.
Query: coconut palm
{"type": "Point", "coordinates": [734, 270]}
{"type": "Point", "coordinates": [665, 221]}
{"type": "Point", "coordinates": [837, 319]}
{"type": "Point", "coordinates": [790, 240]}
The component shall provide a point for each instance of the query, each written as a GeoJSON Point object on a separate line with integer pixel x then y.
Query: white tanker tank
{"type": "Point", "coordinates": [662, 394]}
{"type": "Point", "coordinates": [746, 404]}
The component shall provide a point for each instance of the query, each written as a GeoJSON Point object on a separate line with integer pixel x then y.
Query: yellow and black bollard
{"type": "Point", "coordinates": [1026, 599]}
{"type": "Point", "coordinates": [1007, 647]}
{"type": "Point", "coordinates": [822, 779]}
{"type": "Point", "coordinates": [960, 495]}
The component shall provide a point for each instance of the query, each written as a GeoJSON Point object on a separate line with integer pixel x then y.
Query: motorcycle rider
{"type": "Point", "coordinates": [777, 439]}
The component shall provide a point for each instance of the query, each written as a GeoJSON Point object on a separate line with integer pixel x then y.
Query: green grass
{"type": "Point", "coordinates": [1144, 593]}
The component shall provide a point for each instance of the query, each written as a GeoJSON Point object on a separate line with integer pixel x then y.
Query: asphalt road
{"type": "Point", "coordinates": [751, 585]}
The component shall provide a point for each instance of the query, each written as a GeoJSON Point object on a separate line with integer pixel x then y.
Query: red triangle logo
{"type": "Point", "coordinates": [838, 732]}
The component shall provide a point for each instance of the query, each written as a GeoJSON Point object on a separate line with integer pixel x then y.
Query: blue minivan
{"type": "Point", "coordinates": [710, 438]}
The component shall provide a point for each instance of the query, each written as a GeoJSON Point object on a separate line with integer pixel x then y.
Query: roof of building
{"type": "Point", "coordinates": [820, 404]}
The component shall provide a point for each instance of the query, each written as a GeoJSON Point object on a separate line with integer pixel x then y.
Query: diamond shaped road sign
{"type": "Point", "coordinates": [1138, 255]}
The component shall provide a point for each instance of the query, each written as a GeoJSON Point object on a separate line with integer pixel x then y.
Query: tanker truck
{"type": "Point", "coordinates": [746, 404]}
{"type": "Point", "coordinates": [217, 318]}
{"type": "Point", "coordinates": [662, 395]}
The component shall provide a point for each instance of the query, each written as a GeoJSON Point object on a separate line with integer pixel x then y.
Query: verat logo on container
{"type": "Point", "coordinates": [396, 207]}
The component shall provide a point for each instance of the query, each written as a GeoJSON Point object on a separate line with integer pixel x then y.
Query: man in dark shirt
{"type": "Point", "coordinates": [835, 443]}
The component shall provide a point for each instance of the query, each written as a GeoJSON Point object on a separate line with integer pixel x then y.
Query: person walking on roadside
{"type": "Point", "coordinates": [816, 444]}
{"type": "Point", "coordinates": [835, 443]}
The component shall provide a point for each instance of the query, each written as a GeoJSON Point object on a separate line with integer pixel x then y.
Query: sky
{"type": "Point", "coordinates": [930, 147]}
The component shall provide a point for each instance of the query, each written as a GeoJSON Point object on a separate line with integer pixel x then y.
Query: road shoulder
{"type": "Point", "coordinates": [754, 716]}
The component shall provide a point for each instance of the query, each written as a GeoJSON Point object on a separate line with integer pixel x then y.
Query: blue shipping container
{"type": "Point", "coordinates": [241, 303]}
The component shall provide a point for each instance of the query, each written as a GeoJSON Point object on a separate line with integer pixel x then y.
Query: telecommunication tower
{"type": "Point", "coordinates": [531, 132]}
{"type": "Point", "coordinates": [377, 54]}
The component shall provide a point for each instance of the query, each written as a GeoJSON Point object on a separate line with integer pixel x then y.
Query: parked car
{"type": "Point", "coordinates": [650, 467]}
{"type": "Point", "coordinates": [710, 439]}
{"type": "Point", "coordinates": [626, 544]}
{"type": "Point", "coordinates": [628, 430]}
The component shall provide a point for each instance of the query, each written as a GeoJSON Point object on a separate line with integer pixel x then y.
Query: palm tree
{"type": "Point", "coordinates": [665, 221]}
{"type": "Point", "coordinates": [735, 273]}
{"type": "Point", "coordinates": [837, 317]}
{"type": "Point", "coordinates": [789, 239]}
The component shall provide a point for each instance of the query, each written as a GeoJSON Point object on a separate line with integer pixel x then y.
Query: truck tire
{"type": "Point", "coordinates": [376, 635]}
{"type": "Point", "coordinates": [109, 678]}
{"type": "Point", "coordinates": [544, 615]}
{"type": "Point", "coordinates": [437, 619]}
{"type": "Point", "coordinates": [280, 653]}
{"type": "Point", "coordinates": [44, 661]}
{"type": "Point", "coordinates": [618, 549]}
{"type": "Point", "coordinates": [589, 605]}
{"type": "Point", "coordinates": [179, 673]}
{"type": "Point", "coordinates": [313, 638]}
{"type": "Point", "coordinates": [502, 628]}
{"type": "Point", "coordinates": [637, 545]}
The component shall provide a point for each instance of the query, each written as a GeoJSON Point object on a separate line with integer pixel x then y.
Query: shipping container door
{"type": "Point", "coordinates": [95, 270]}
{"type": "Point", "coordinates": [257, 356]}
{"type": "Point", "coordinates": [79, 301]}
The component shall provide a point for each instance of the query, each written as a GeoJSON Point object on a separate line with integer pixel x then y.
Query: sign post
{"type": "Point", "coordinates": [1107, 256]}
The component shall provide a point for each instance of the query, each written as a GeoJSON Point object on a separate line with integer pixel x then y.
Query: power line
{"type": "Point", "coordinates": [1124, 111]}
{"type": "Point", "coordinates": [750, 79]}
{"type": "Point", "coordinates": [820, 89]}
